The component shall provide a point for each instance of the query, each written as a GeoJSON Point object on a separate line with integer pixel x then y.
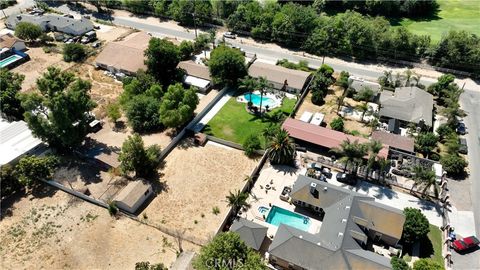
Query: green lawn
{"type": "Point", "coordinates": [233, 123]}
{"type": "Point", "coordinates": [452, 15]}
{"type": "Point", "coordinates": [435, 236]}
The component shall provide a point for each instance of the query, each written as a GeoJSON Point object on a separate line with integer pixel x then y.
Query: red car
{"type": "Point", "coordinates": [465, 243]}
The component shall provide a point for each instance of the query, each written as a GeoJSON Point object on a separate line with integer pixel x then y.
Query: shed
{"type": "Point", "coordinates": [132, 197]}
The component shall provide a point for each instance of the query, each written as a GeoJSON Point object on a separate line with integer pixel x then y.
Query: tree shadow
{"type": "Point", "coordinates": [426, 248]}
{"type": "Point", "coordinates": [285, 169]}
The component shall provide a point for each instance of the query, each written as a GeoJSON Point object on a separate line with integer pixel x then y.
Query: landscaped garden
{"type": "Point", "coordinates": [234, 123]}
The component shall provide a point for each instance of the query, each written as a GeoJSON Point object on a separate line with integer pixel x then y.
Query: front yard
{"type": "Point", "coordinates": [233, 122]}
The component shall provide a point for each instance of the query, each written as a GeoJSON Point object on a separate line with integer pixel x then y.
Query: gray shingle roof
{"type": "Point", "coordinates": [250, 232]}
{"type": "Point", "coordinates": [65, 24]}
{"type": "Point", "coordinates": [409, 104]}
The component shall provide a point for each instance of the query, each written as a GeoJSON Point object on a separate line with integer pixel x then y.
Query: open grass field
{"type": "Point", "coordinates": [234, 123]}
{"type": "Point", "coordinates": [452, 15]}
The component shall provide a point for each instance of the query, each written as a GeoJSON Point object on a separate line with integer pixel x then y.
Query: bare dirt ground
{"type": "Point", "coordinates": [60, 232]}
{"type": "Point", "coordinates": [38, 64]}
{"type": "Point", "coordinates": [108, 33]}
{"type": "Point", "coordinates": [196, 179]}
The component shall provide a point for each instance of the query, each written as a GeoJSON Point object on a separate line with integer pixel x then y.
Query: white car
{"type": "Point", "coordinates": [229, 35]}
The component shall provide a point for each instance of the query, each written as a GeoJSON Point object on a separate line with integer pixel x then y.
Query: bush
{"type": "Point", "coordinates": [444, 131]}
{"type": "Point", "coordinates": [399, 264]}
{"type": "Point", "coordinates": [427, 264]}
{"type": "Point", "coordinates": [186, 49]}
{"type": "Point", "coordinates": [416, 225]}
{"type": "Point", "coordinates": [28, 31]}
{"type": "Point", "coordinates": [74, 52]}
{"type": "Point", "coordinates": [317, 97]}
{"type": "Point", "coordinates": [453, 164]}
{"type": "Point", "coordinates": [216, 210]}
{"type": "Point", "coordinates": [337, 124]}
{"type": "Point", "coordinates": [112, 208]}
{"type": "Point", "coordinates": [251, 144]}
{"type": "Point", "coordinates": [435, 156]}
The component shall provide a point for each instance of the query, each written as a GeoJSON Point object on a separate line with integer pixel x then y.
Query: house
{"type": "Point", "coordinates": [132, 197]}
{"type": "Point", "coordinates": [196, 75]}
{"type": "Point", "coordinates": [16, 141]}
{"type": "Point", "coordinates": [10, 43]}
{"type": "Point", "coordinates": [253, 234]}
{"type": "Point", "coordinates": [289, 80]}
{"type": "Point", "coordinates": [52, 22]}
{"type": "Point", "coordinates": [322, 137]}
{"type": "Point", "coordinates": [358, 84]}
{"type": "Point", "coordinates": [407, 104]}
{"type": "Point", "coordinates": [126, 56]}
{"type": "Point", "coordinates": [395, 141]}
{"type": "Point", "coordinates": [352, 224]}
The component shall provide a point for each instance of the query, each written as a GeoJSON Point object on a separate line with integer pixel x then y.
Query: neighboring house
{"type": "Point", "coordinates": [51, 22]}
{"type": "Point", "coordinates": [196, 75]}
{"type": "Point", "coordinates": [253, 234]}
{"type": "Point", "coordinates": [16, 141]}
{"type": "Point", "coordinates": [10, 43]}
{"type": "Point", "coordinates": [321, 136]}
{"type": "Point", "coordinates": [358, 84]}
{"type": "Point", "coordinates": [132, 197]}
{"type": "Point", "coordinates": [288, 80]}
{"type": "Point", "coordinates": [395, 141]}
{"type": "Point", "coordinates": [351, 224]}
{"type": "Point", "coordinates": [126, 56]}
{"type": "Point", "coordinates": [407, 104]}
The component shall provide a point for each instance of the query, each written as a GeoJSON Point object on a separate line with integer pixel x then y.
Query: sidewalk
{"type": "Point", "coordinates": [213, 111]}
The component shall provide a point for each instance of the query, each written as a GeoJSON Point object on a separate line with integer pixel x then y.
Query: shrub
{"type": "Point", "coordinates": [444, 130]}
{"type": "Point", "coordinates": [251, 144]}
{"type": "Point", "coordinates": [337, 124]}
{"type": "Point", "coordinates": [427, 264]}
{"type": "Point", "coordinates": [186, 49]}
{"type": "Point", "coordinates": [216, 210]}
{"type": "Point", "coordinates": [112, 208]}
{"type": "Point", "coordinates": [74, 52]}
{"type": "Point", "coordinates": [453, 164]}
{"type": "Point", "coordinates": [416, 225]}
{"type": "Point", "coordinates": [317, 97]}
{"type": "Point", "coordinates": [28, 31]}
{"type": "Point", "coordinates": [398, 264]}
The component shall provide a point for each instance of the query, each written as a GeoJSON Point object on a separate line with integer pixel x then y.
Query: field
{"type": "Point", "coordinates": [233, 122]}
{"type": "Point", "coordinates": [452, 15]}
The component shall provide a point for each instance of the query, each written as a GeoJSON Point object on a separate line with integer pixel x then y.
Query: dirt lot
{"type": "Point", "coordinates": [108, 33]}
{"type": "Point", "coordinates": [196, 180]}
{"type": "Point", "coordinates": [59, 232]}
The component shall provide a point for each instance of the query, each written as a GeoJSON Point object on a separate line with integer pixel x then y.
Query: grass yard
{"type": "Point", "coordinates": [452, 15]}
{"type": "Point", "coordinates": [233, 122]}
{"type": "Point", "coordinates": [435, 236]}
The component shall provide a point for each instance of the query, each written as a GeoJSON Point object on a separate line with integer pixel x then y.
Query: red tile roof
{"type": "Point", "coordinates": [322, 136]}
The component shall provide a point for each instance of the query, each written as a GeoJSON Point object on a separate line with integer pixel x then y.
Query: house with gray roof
{"type": "Point", "coordinates": [52, 22]}
{"type": "Point", "coordinates": [359, 84]}
{"type": "Point", "coordinates": [408, 104]}
{"type": "Point", "coordinates": [351, 223]}
{"type": "Point", "coordinates": [253, 234]}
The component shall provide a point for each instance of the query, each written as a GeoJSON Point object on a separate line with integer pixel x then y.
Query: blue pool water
{"type": "Point", "coordinates": [279, 216]}
{"type": "Point", "coordinates": [256, 100]}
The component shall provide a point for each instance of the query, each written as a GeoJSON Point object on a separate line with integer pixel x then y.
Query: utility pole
{"type": "Point", "coordinates": [195, 25]}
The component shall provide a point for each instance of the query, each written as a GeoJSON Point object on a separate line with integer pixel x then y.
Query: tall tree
{"type": "Point", "coordinates": [425, 142]}
{"type": "Point", "coordinates": [373, 148]}
{"type": "Point", "coordinates": [264, 86]}
{"type": "Point", "coordinates": [28, 31]}
{"type": "Point", "coordinates": [59, 113]}
{"type": "Point", "coordinates": [162, 58]}
{"type": "Point", "coordinates": [10, 86]}
{"type": "Point", "coordinates": [425, 180]}
{"type": "Point", "coordinates": [351, 153]}
{"type": "Point", "coordinates": [248, 84]}
{"type": "Point", "coordinates": [178, 105]}
{"type": "Point", "coordinates": [31, 169]}
{"type": "Point", "coordinates": [237, 200]}
{"type": "Point", "coordinates": [416, 225]}
{"type": "Point", "coordinates": [281, 148]}
{"type": "Point", "coordinates": [142, 113]}
{"type": "Point", "coordinates": [191, 12]}
{"type": "Point", "coordinates": [227, 65]}
{"type": "Point", "coordinates": [134, 157]}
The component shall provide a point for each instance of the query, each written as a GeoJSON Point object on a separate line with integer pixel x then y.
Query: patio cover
{"type": "Point", "coordinates": [322, 136]}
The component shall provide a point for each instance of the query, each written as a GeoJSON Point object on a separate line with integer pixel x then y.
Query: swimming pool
{"type": "Point", "coordinates": [7, 61]}
{"type": "Point", "coordinates": [256, 100]}
{"type": "Point", "coordinates": [279, 216]}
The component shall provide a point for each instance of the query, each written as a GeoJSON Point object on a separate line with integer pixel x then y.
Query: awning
{"type": "Point", "coordinates": [194, 81]}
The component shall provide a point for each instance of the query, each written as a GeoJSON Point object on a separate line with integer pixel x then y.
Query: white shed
{"type": "Point", "coordinates": [133, 196]}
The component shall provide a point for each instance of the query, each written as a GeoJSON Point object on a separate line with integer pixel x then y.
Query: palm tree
{"type": "Point", "coordinates": [383, 163]}
{"type": "Point", "coordinates": [247, 84]}
{"type": "Point", "coordinates": [386, 79]}
{"type": "Point", "coordinates": [373, 123]}
{"type": "Point", "coordinates": [263, 86]}
{"type": "Point", "coordinates": [408, 76]}
{"type": "Point", "coordinates": [237, 200]}
{"type": "Point", "coordinates": [270, 131]}
{"type": "Point", "coordinates": [374, 148]}
{"type": "Point", "coordinates": [281, 148]}
{"type": "Point", "coordinates": [425, 180]}
{"type": "Point", "coordinates": [363, 107]}
{"type": "Point", "coordinates": [351, 153]}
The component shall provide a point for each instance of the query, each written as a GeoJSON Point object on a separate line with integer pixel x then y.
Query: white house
{"type": "Point", "coordinates": [51, 22]}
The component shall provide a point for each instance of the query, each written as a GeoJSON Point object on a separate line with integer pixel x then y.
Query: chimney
{"type": "Point", "coordinates": [313, 188]}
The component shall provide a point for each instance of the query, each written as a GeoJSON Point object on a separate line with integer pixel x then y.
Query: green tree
{"type": "Point", "coordinates": [425, 142]}
{"type": "Point", "coordinates": [292, 23]}
{"type": "Point", "coordinates": [399, 263]}
{"type": "Point", "coordinates": [74, 52]}
{"type": "Point", "coordinates": [186, 49]}
{"type": "Point", "coordinates": [343, 80]}
{"type": "Point", "coordinates": [59, 113]}
{"type": "Point", "coordinates": [134, 157]}
{"type": "Point", "coordinates": [248, 84]}
{"type": "Point", "coordinates": [251, 144]}
{"type": "Point", "coordinates": [178, 105]}
{"type": "Point", "coordinates": [443, 131]}
{"type": "Point", "coordinates": [427, 264]}
{"type": "Point", "coordinates": [373, 148]}
{"type": "Point", "coordinates": [337, 124]}
{"type": "Point", "coordinates": [162, 58]}
{"type": "Point", "coordinates": [28, 31]}
{"type": "Point", "coordinates": [453, 164]}
{"type": "Point", "coordinates": [31, 169]}
{"type": "Point", "coordinates": [425, 180]}
{"type": "Point", "coordinates": [113, 112]}
{"type": "Point", "coordinates": [263, 86]}
{"type": "Point", "coordinates": [8, 181]}
{"type": "Point", "coordinates": [137, 85]}
{"type": "Point", "coordinates": [362, 107]}
{"type": "Point", "coordinates": [228, 247]}
{"type": "Point", "coordinates": [185, 12]}
{"type": "Point", "coordinates": [142, 113]}
{"type": "Point", "coordinates": [10, 86]}
{"type": "Point", "coordinates": [227, 65]}
{"type": "Point", "coordinates": [237, 200]}
{"type": "Point", "coordinates": [281, 148]}
{"type": "Point", "coordinates": [148, 266]}
{"type": "Point", "coordinates": [416, 225]}
{"type": "Point", "coordinates": [366, 94]}
{"type": "Point", "coordinates": [351, 153]}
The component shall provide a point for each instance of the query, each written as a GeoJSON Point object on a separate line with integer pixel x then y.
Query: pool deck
{"type": "Point", "coordinates": [259, 196]}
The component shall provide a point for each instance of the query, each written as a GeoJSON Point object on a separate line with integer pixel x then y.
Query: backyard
{"type": "Point", "coordinates": [452, 15]}
{"type": "Point", "coordinates": [233, 122]}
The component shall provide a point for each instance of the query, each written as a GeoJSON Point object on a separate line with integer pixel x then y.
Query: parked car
{"type": "Point", "coordinates": [465, 243]}
{"type": "Point", "coordinates": [461, 128]}
{"type": "Point", "coordinates": [326, 171]}
{"type": "Point", "coordinates": [346, 179]}
{"type": "Point", "coordinates": [229, 35]}
{"type": "Point", "coordinates": [96, 44]}
{"type": "Point", "coordinates": [463, 149]}
{"type": "Point", "coordinates": [95, 126]}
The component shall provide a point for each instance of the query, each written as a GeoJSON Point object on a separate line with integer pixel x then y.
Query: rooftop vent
{"type": "Point", "coordinates": [325, 189]}
{"type": "Point", "coordinates": [340, 234]}
{"type": "Point", "coordinates": [313, 188]}
{"type": "Point", "coordinates": [344, 220]}
{"type": "Point", "coordinates": [301, 237]}
{"type": "Point", "coordinates": [319, 244]}
{"type": "Point", "coordinates": [347, 207]}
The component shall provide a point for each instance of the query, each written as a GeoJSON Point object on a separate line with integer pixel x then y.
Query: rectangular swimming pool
{"type": "Point", "coordinates": [278, 215]}
{"type": "Point", "coordinates": [9, 60]}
